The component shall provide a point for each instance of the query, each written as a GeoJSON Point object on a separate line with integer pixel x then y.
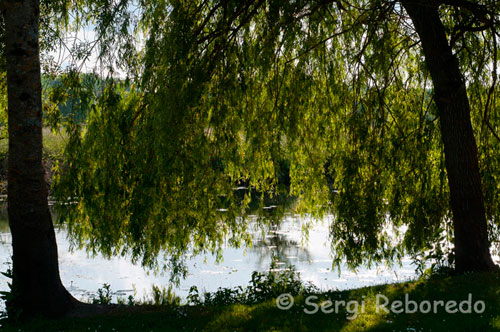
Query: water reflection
{"type": "Point", "coordinates": [275, 241]}
{"type": "Point", "coordinates": [83, 275]}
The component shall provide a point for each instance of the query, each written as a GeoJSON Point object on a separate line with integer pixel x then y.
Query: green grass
{"type": "Point", "coordinates": [4, 147]}
{"type": "Point", "coordinates": [53, 144]}
{"type": "Point", "coordinates": [53, 148]}
{"type": "Point", "coordinates": [267, 317]}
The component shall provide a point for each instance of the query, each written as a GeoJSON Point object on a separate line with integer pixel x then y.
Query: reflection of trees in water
{"type": "Point", "coordinates": [4, 219]}
{"type": "Point", "coordinates": [273, 241]}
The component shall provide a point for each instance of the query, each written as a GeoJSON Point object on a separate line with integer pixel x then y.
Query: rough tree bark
{"type": "Point", "coordinates": [35, 262]}
{"type": "Point", "coordinates": [450, 95]}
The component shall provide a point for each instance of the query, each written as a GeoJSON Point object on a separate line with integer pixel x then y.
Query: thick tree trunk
{"type": "Point", "coordinates": [35, 263]}
{"type": "Point", "coordinates": [450, 95]}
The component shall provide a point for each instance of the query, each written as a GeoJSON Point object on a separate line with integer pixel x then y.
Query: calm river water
{"type": "Point", "coordinates": [83, 275]}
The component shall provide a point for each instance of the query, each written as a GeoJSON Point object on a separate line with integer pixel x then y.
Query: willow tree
{"type": "Point", "coordinates": [36, 282]}
{"type": "Point", "coordinates": [222, 89]}
{"type": "Point", "coordinates": [368, 100]}
{"type": "Point", "coordinates": [28, 30]}
{"type": "Point", "coordinates": [450, 96]}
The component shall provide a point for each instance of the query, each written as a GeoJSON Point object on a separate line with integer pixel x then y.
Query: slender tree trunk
{"type": "Point", "coordinates": [35, 263]}
{"type": "Point", "coordinates": [450, 95]}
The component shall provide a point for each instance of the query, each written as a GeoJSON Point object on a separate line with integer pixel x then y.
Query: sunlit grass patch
{"type": "Point", "coordinates": [266, 316]}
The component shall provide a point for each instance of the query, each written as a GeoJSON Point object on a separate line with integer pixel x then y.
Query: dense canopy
{"type": "Point", "coordinates": [219, 93]}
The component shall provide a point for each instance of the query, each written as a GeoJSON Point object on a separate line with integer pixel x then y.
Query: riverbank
{"type": "Point", "coordinates": [477, 293]}
{"type": "Point", "coordinates": [53, 146]}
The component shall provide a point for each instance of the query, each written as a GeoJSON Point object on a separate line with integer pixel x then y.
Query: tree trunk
{"type": "Point", "coordinates": [450, 95]}
{"type": "Point", "coordinates": [35, 264]}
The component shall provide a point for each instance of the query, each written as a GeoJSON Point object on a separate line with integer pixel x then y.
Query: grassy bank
{"type": "Point", "coordinates": [267, 317]}
{"type": "Point", "coordinates": [53, 145]}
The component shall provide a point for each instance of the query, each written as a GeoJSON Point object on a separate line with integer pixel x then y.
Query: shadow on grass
{"type": "Point", "coordinates": [267, 317]}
